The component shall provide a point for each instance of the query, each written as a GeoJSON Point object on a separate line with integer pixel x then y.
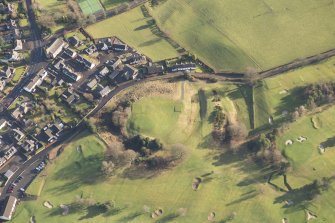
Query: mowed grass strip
{"type": "Point", "coordinates": [90, 6]}
{"type": "Point", "coordinates": [236, 34]}
{"type": "Point", "coordinates": [134, 28]}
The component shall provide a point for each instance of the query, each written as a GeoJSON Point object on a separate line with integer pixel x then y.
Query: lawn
{"type": "Point", "coordinates": [279, 94]}
{"type": "Point", "coordinates": [232, 35]}
{"type": "Point", "coordinates": [136, 30]}
{"type": "Point", "coordinates": [89, 7]}
{"type": "Point", "coordinates": [19, 71]}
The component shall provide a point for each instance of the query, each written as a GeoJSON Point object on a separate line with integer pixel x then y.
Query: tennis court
{"type": "Point", "coordinates": [90, 6]}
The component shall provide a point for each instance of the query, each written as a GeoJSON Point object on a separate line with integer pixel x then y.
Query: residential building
{"type": "Point", "coordinates": [129, 72]}
{"type": "Point", "coordinates": [9, 153]}
{"type": "Point", "coordinates": [18, 45]}
{"type": "Point", "coordinates": [104, 71]}
{"type": "Point", "coordinates": [91, 49]}
{"type": "Point", "coordinates": [69, 97]}
{"type": "Point", "coordinates": [74, 41]}
{"type": "Point", "coordinates": [88, 64]}
{"type": "Point", "coordinates": [155, 70]}
{"type": "Point", "coordinates": [36, 81]}
{"type": "Point", "coordinates": [104, 91]}
{"type": "Point", "coordinates": [102, 46]}
{"type": "Point", "coordinates": [136, 59]}
{"type": "Point", "coordinates": [183, 67]}
{"type": "Point", "coordinates": [55, 48]}
{"type": "Point", "coordinates": [71, 75]}
{"type": "Point", "coordinates": [114, 74]}
{"type": "Point", "coordinates": [3, 123]}
{"type": "Point", "coordinates": [18, 134]}
{"type": "Point", "coordinates": [114, 64]}
{"type": "Point", "coordinates": [28, 145]}
{"type": "Point", "coordinates": [8, 210]}
{"type": "Point", "coordinates": [71, 53]}
{"type": "Point", "coordinates": [2, 85]}
{"type": "Point", "coordinates": [92, 84]}
{"type": "Point", "coordinates": [119, 47]}
{"type": "Point", "coordinates": [6, 72]}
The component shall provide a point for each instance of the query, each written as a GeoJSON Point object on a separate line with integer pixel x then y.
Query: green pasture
{"type": "Point", "coordinates": [136, 30]}
{"type": "Point", "coordinates": [278, 94]}
{"type": "Point", "coordinates": [233, 35]}
{"type": "Point", "coordinates": [89, 7]}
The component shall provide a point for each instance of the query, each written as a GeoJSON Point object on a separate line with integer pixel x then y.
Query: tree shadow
{"type": "Point", "coordinates": [139, 172]}
{"type": "Point", "coordinates": [299, 197]}
{"type": "Point", "coordinates": [130, 217]}
{"type": "Point", "coordinates": [150, 42]}
{"type": "Point", "coordinates": [243, 198]}
{"type": "Point", "coordinates": [86, 170]}
{"type": "Point", "coordinates": [167, 218]}
{"type": "Point", "coordinates": [293, 99]}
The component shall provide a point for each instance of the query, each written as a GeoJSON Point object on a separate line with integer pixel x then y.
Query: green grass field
{"type": "Point", "coordinates": [231, 183]}
{"type": "Point", "coordinates": [159, 109]}
{"type": "Point", "coordinates": [234, 35]}
{"type": "Point", "coordinates": [277, 94]}
{"type": "Point", "coordinates": [110, 4]}
{"type": "Point", "coordinates": [308, 162]}
{"type": "Point", "coordinates": [135, 29]}
{"type": "Point", "coordinates": [90, 6]}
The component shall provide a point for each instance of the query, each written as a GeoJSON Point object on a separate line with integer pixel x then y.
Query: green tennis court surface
{"type": "Point", "coordinates": [90, 6]}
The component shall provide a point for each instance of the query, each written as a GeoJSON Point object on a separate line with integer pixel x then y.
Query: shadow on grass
{"type": "Point", "coordinates": [330, 142]}
{"type": "Point", "coordinates": [130, 217]}
{"type": "Point", "coordinates": [138, 172]}
{"type": "Point", "coordinates": [243, 198]}
{"type": "Point", "coordinates": [167, 218]}
{"type": "Point", "coordinates": [84, 171]}
{"type": "Point", "coordinates": [292, 100]}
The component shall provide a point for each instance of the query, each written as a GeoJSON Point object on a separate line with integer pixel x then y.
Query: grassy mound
{"type": "Point", "coordinates": [156, 117]}
{"type": "Point", "coordinates": [233, 35]}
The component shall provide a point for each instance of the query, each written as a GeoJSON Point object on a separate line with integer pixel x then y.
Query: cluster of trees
{"type": "Point", "coordinates": [223, 130]}
{"type": "Point", "coordinates": [144, 145]}
{"type": "Point", "coordinates": [220, 124]}
{"type": "Point", "coordinates": [318, 94]}
{"type": "Point", "coordinates": [120, 117]}
{"type": "Point", "coordinates": [267, 152]}
{"type": "Point", "coordinates": [299, 112]}
{"type": "Point", "coordinates": [69, 16]}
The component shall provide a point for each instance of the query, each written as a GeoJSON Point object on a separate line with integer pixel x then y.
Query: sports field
{"type": "Point", "coordinates": [90, 6]}
{"type": "Point", "coordinates": [136, 30]}
{"type": "Point", "coordinates": [276, 95]}
{"type": "Point", "coordinates": [236, 34]}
